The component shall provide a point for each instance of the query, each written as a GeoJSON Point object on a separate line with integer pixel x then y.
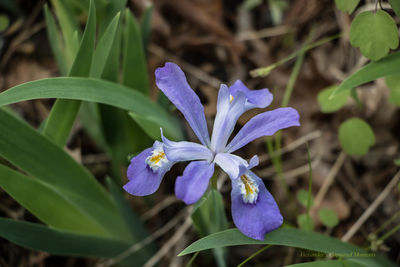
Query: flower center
{"type": "Point", "coordinates": [249, 189]}
{"type": "Point", "coordinates": [157, 159]}
{"type": "Point", "coordinates": [231, 99]}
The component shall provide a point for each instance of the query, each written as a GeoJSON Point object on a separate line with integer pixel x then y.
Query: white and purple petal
{"type": "Point", "coordinates": [143, 180]}
{"type": "Point", "coordinates": [229, 109]}
{"type": "Point", "coordinates": [172, 82]}
{"type": "Point", "coordinates": [255, 98]}
{"type": "Point", "coordinates": [185, 151]}
{"type": "Point", "coordinates": [231, 164]}
{"type": "Point", "coordinates": [258, 218]}
{"type": "Point", "coordinates": [264, 124]}
{"type": "Point", "coordinates": [191, 186]}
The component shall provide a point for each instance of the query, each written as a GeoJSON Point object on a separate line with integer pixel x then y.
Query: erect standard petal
{"type": "Point", "coordinates": [264, 124]}
{"type": "Point", "coordinates": [185, 151]}
{"type": "Point", "coordinates": [254, 98]}
{"type": "Point", "coordinates": [172, 81]}
{"type": "Point", "coordinates": [191, 186]}
{"type": "Point", "coordinates": [146, 171]}
{"type": "Point", "coordinates": [231, 164]}
{"type": "Point", "coordinates": [229, 110]}
{"type": "Point", "coordinates": [257, 214]}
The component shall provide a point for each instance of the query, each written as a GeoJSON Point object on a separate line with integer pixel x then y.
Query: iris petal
{"type": "Point", "coordinates": [255, 220]}
{"type": "Point", "coordinates": [185, 151]}
{"type": "Point", "coordinates": [143, 180]}
{"type": "Point", "coordinates": [172, 81]}
{"type": "Point", "coordinates": [255, 98]}
{"type": "Point", "coordinates": [191, 186]}
{"type": "Point", "coordinates": [231, 164]}
{"type": "Point", "coordinates": [264, 124]}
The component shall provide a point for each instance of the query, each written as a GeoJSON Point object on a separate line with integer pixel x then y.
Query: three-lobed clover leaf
{"type": "Point", "coordinates": [347, 5]}
{"type": "Point", "coordinates": [393, 82]}
{"type": "Point", "coordinates": [356, 136]}
{"type": "Point", "coordinates": [375, 33]}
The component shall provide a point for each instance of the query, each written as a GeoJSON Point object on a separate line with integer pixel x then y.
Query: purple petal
{"type": "Point", "coordinates": [255, 220]}
{"type": "Point", "coordinates": [228, 112]}
{"type": "Point", "coordinates": [172, 81]}
{"type": "Point", "coordinates": [191, 186]}
{"type": "Point", "coordinates": [143, 180]}
{"type": "Point", "coordinates": [264, 124]}
{"type": "Point", "coordinates": [185, 151]}
{"type": "Point", "coordinates": [231, 164]}
{"type": "Point", "coordinates": [255, 98]}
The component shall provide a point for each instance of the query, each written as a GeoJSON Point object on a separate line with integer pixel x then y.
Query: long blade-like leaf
{"type": "Point", "coordinates": [24, 147]}
{"type": "Point", "coordinates": [59, 242]}
{"type": "Point", "coordinates": [63, 113]}
{"type": "Point", "coordinates": [95, 91]}
{"type": "Point", "coordinates": [283, 236]}
{"type": "Point", "coordinates": [135, 67]}
{"type": "Point", "coordinates": [47, 203]}
{"type": "Point", "coordinates": [387, 66]}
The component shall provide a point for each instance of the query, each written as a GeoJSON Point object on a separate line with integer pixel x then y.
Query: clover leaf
{"type": "Point", "coordinates": [393, 82]}
{"type": "Point", "coordinates": [356, 136]}
{"type": "Point", "coordinates": [375, 33]}
{"type": "Point", "coordinates": [328, 104]}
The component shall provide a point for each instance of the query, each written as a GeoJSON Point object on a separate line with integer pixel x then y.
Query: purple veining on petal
{"type": "Point", "coordinates": [264, 124]}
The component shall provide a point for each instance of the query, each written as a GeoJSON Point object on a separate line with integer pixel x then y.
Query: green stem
{"type": "Point", "coordinates": [394, 229]}
{"type": "Point", "coordinates": [192, 259]}
{"type": "Point", "coordinates": [253, 255]}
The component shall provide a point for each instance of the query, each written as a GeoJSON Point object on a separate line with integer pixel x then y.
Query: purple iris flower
{"type": "Point", "coordinates": [254, 210]}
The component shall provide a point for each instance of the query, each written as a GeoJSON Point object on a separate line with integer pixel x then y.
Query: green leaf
{"type": "Point", "coordinates": [393, 82]}
{"type": "Point", "coordinates": [47, 203]}
{"type": "Point", "coordinates": [302, 197]}
{"type": "Point", "coordinates": [283, 236]}
{"type": "Point", "coordinates": [328, 217]}
{"type": "Point", "coordinates": [382, 68]}
{"type": "Point", "coordinates": [63, 113]}
{"type": "Point", "coordinates": [59, 242]}
{"type": "Point", "coordinates": [397, 162]}
{"type": "Point", "coordinates": [325, 263]}
{"type": "Point", "coordinates": [375, 33]}
{"type": "Point", "coordinates": [4, 22]}
{"type": "Point", "coordinates": [35, 154]}
{"type": "Point", "coordinates": [134, 60]}
{"type": "Point", "coordinates": [69, 27]}
{"type": "Point", "coordinates": [328, 104]}
{"type": "Point", "coordinates": [209, 217]}
{"type": "Point", "coordinates": [103, 48]}
{"type": "Point", "coordinates": [94, 90]}
{"type": "Point", "coordinates": [395, 6]}
{"type": "Point", "coordinates": [55, 41]}
{"type": "Point", "coordinates": [305, 222]}
{"type": "Point", "coordinates": [286, 236]}
{"type": "Point", "coordinates": [145, 25]}
{"type": "Point", "coordinates": [356, 137]}
{"type": "Point", "coordinates": [347, 5]}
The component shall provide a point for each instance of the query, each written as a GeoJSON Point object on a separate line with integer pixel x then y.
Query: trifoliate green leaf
{"type": "Point", "coordinates": [393, 82]}
{"type": "Point", "coordinates": [375, 33]}
{"type": "Point", "coordinates": [329, 105]}
{"type": "Point", "coordinates": [346, 5]}
{"type": "Point", "coordinates": [356, 136]}
{"type": "Point", "coordinates": [395, 6]}
{"type": "Point", "coordinates": [328, 217]}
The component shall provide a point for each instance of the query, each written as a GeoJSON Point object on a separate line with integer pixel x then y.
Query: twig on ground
{"type": "Point", "coordinates": [159, 207]}
{"type": "Point", "coordinates": [193, 70]}
{"type": "Point", "coordinates": [170, 243]}
{"type": "Point", "coordinates": [328, 181]}
{"type": "Point", "coordinates": [168, 226]}
{"type": "Point", "coordinates": [368, 212]}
